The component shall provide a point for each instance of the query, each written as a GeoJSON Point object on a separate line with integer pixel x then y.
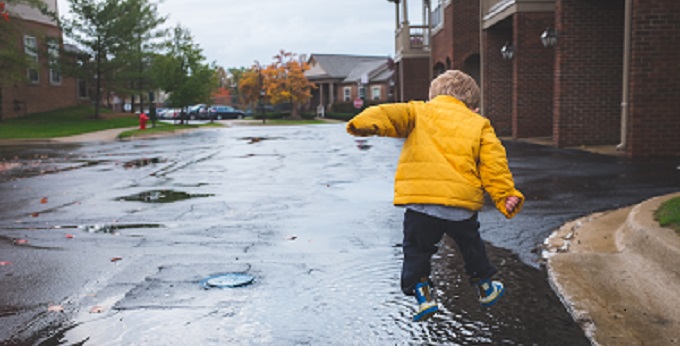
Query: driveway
{"type": "Point", "coordinates": [107, 243]}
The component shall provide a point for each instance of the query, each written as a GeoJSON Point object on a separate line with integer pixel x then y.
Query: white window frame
{"type": "Point", "coordinates": [55, 67]}
{"type": "Point", "coordinates": [31, 49]}
{"type": "Point", "coordinates": [347, 93]}
{"type": "Point", "coordinates": [376, 92]}
{"type": "Point", "coordinates": [362, 92]}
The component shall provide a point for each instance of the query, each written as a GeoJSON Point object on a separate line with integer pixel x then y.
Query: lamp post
{"type": "Point", "coordinates": [260, 108]}
{"type": "Point", "coordinates": [549, 37]}
{"type": "Point", "coordinates": [507, 51]}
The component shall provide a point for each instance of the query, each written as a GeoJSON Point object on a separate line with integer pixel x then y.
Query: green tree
{"type": "Point", "coordinates": [183, 73]}
{"type": "Point", "coordinates": [143, 36]}
{"type": "Point", "coordinates": [252, 86]}
{"type": "Point", "coordinates": [233, 79]}
{"type": "Point", "coordinates": [95, 27]}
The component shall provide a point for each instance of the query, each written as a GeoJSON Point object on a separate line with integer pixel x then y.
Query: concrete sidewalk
{"type": "Point", "coordinates": [618, 274]}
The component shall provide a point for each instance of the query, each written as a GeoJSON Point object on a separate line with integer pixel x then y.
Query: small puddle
{"type": "Point", "coordinates": [113, 229]}
{"type": "Point", "coordinates": [362, 144]}
{"type": "Point", "coordinates": [252, 140]}
{"type": "Point", "coordinates": [143, 162]}
{"type": "Point", "coordinates": [227, 280]}
{"type": "Point", "coordinates": [161, 196]}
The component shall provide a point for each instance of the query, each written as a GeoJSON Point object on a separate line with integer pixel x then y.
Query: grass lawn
{"type": "Point", "coordinates": [64, 122]}
{"type": "Point", "coordinates": [78, 120]}
{"type": "Point", "coordinates": [668, 214]}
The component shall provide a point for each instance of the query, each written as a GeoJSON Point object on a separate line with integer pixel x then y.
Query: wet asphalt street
{"type": "Point", "coordinates": [106, 244]}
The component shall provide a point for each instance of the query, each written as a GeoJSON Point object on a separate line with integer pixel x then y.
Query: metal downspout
{"type": "Point", "coordinates": [482, 55]}
{"type": "Point", "coordinates": [626, 76]}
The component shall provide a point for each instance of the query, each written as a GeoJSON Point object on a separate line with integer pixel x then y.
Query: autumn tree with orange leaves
{"type": "Point", "coordinates": [251, 86]}
{"type": "Point", "coordinates": [3, 13]}
{"type": "Point", "coordinates": [281, 81]}
{"type": "Point", "coordinates": [286, 81]}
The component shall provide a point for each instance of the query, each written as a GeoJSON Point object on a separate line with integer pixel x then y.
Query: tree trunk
{"type": "Point", "coordinates": [98, 84]}
{"type": "Point", "coordinates": [294, 112]}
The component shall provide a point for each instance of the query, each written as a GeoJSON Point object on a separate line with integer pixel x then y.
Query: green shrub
{"type": "Point", "coordinates": [668, 214]}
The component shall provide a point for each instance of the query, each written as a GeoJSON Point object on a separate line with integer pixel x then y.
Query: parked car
{"type": "Point", "coordinates": [219, 112]}
{"type": "Point", "coordinates": [199, 111]}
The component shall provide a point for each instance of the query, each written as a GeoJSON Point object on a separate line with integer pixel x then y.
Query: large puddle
{"type": "Point", "coordinates": [161, 196]}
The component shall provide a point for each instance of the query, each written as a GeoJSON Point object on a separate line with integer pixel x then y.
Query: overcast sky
{"type": "Point", "coordinates": [236, 33]}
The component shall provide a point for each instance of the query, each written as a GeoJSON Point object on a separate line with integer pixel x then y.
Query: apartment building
{"type": "Point", "coordinates": [45, 87]}
{"type": "Point", "coordinates": [574, 72]}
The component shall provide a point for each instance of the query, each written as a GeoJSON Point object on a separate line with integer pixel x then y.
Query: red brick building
{"type": "Point", "coordinates": [340, 79]}
{"type": "Point", "coordinates": [605, 72]}
{"type": "Point", "coordinates": [45, 88]}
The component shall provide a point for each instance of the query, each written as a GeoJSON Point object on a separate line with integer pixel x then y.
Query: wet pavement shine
{"type": "Point", "coordinates": [108, 243]}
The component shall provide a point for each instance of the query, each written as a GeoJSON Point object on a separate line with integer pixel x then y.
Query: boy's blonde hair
{"type": "Point", "coordinates": [457, 84]}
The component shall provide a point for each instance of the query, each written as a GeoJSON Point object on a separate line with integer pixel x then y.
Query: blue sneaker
{"type": "Point", "coordinates": [427, 306]}
{"type": "Point", "coordinates": [489, 291]}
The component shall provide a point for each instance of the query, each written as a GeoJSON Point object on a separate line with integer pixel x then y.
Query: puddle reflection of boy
{"type": "Point", "coordinates": [450, 157]}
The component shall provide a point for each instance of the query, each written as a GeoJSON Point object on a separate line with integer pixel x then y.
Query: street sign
{"type": "Point", "coordinates": [358, 103]}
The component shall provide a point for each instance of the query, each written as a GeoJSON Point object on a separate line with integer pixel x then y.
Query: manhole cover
{"type": "Point", "coordinates": [227, 280]}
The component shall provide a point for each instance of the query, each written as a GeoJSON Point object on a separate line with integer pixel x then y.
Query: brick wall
{"type": "Point", "coordinates": [465, 31]}
{"type": "Point", "coordinates": [416, 78]}
{"type": "Point", "coordinates": [654, 121]}
{"type": "Point", "coordinates": [588, 70]}
{"type": "Point", "coordinates": [24, 97]}
{"type": "Point", "coordinates": [532, 77]}
{"type": "Point", "coordinates": [442, 49]}
{"type": "Point", "coordinates": [497, 80]}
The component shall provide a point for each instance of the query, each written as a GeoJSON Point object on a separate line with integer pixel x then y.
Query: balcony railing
{"type": "Point", "coordinates": [413, 39]}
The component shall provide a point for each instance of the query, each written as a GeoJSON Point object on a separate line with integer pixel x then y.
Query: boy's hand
{"type": "Point", "coordinates": [360, 132]}
{"type": "Point", "coordinates": [511, 203]}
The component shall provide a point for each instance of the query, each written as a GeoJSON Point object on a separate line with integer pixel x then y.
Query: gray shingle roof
{"type": "Point", "coordinates": [343, 66]}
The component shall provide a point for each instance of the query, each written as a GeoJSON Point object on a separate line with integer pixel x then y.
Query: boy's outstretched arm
{"type": "Point", "coordinates": [388, 120]}
{"type": "Point", "coordinates": [496, 177]}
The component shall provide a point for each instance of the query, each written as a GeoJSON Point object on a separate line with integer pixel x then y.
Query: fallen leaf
{"type": "Point", "coordinates": [69, 236]}
{"type": "Point", "coordinates": [43, 200]}
{"type": "Point", "coordinates": [5, 263]}
{"type": "Point", "coordinates": [35, 214]}
{"type": "Point", "coordinates": [97, 309]}
{"type": "Point", "coordinates": [20, 241]}
{"type": "Point", "coordinates": [55, 308]}
{"type": "Point", "coordinates": [116, 259]}
{"type": "Point", "coordinates": [293, 237]}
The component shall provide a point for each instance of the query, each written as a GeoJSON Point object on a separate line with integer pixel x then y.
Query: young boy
{"type": "Point", "coordinates": [450, 157]}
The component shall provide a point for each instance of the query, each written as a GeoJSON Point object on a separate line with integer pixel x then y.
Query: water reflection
{"type": "Point", "coordinates": [161, 196]}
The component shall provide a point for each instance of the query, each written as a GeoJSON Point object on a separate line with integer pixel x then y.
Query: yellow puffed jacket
{"type": "Point", "coordinates": [451, 154]}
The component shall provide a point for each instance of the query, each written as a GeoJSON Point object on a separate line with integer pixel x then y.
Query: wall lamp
{"type": "Point", "coordinates": [549, 37]}
{"type": "Point", "coordinates": [507, 51]}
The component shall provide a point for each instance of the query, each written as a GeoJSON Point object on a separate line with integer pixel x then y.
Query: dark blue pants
{"type": "Point", "coordinates": [421, 235]}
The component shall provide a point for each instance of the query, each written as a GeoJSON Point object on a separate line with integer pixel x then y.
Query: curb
{"type": "Point", "coordinates": [616, 273]}
{"type": "Point", "coordinates": [642, 234]}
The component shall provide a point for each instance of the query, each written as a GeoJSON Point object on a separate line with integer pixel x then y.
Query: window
{"type": "Point", "coordinates": [437, 16]}
{"type": "Point", "coordinates": [362, 92]}
{"type": "Point", "coordinates": [55, 66]}
{"type": "Point", "coordinates": [347, 93]}
{"type": "Point", "coordinates": [375, 92]}
{"type": "Point", "coordinates": [82, 89]}
{"type": "Point", "coordinates": [31, 49]}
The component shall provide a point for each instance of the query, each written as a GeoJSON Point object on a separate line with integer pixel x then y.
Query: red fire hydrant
{"type": "Point", "coordinates": [142, 121]}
